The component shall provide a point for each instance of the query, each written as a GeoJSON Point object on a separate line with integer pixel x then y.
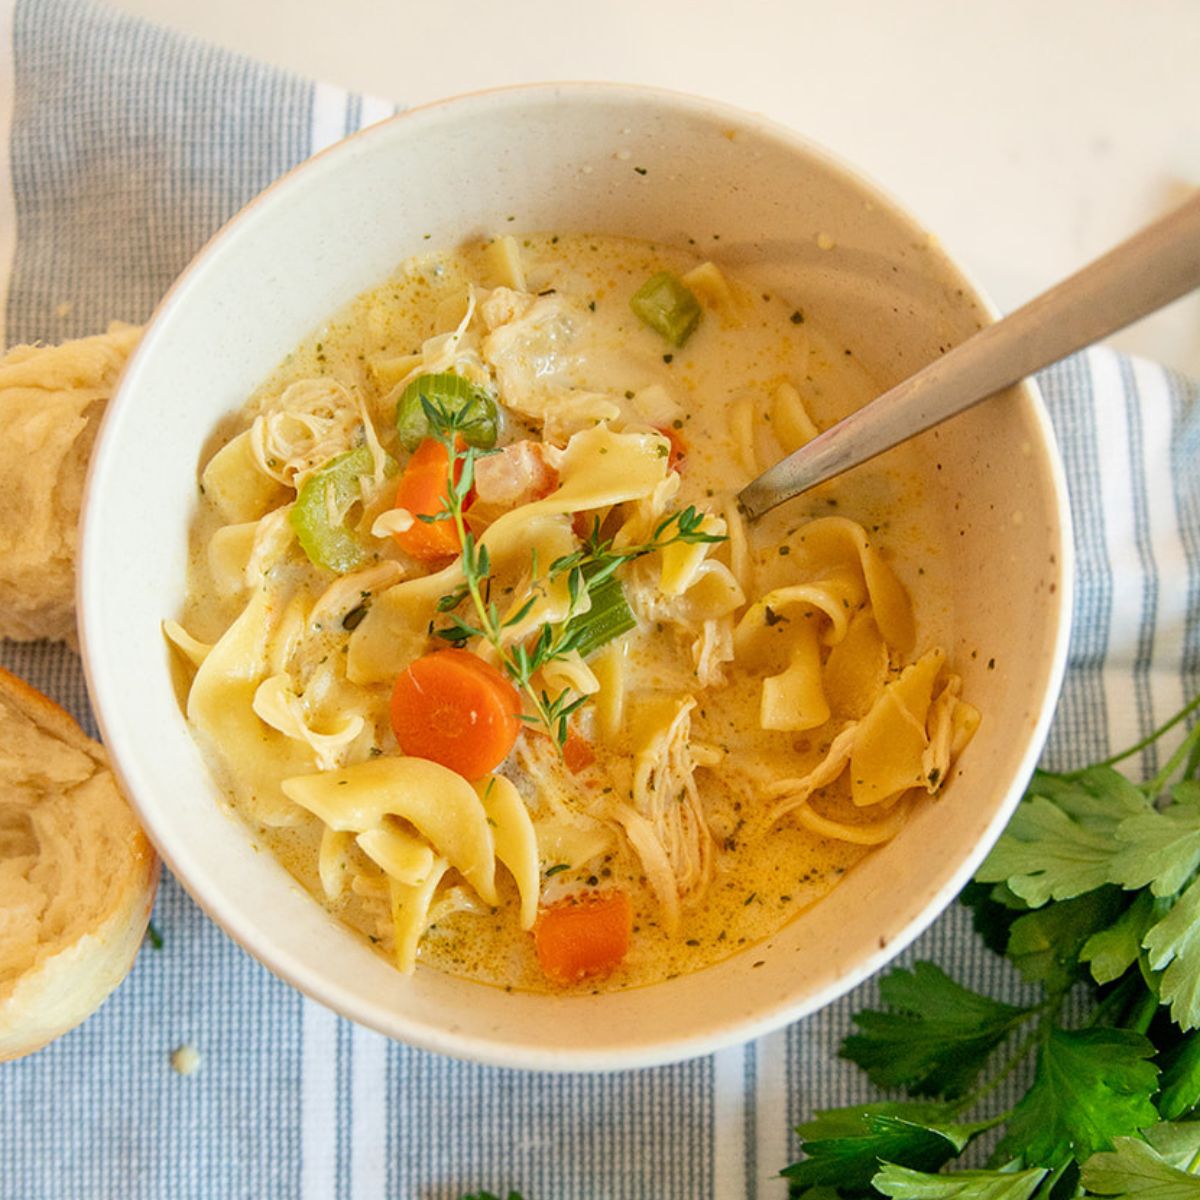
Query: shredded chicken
{"type": "Point", "coordinates": [666, 824]}
{"type": "Point", "coordinates": [528, 347]}
{"type": "Point", "coordinates": [712, 649]}
{"type": "Point", "coordinates": [305, 426]}
{"type": "Point", "coordinates": [348, 592]}
{"type": "Point", "coordinates": [790, 794]}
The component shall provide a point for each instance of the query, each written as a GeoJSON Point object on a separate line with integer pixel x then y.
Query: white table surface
{"type": "Point", "coordinates": [1030, 135]}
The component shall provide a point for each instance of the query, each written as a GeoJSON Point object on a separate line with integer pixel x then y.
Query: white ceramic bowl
{"type": "Point", "coordinates": [562, 157]}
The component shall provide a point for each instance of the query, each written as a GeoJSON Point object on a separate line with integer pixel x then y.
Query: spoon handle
{"type": "Point", "coordinates": [1151, 269]}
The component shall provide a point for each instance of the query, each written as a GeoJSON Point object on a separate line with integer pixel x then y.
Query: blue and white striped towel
{"type": "Point", "coordinates": [121, 149]}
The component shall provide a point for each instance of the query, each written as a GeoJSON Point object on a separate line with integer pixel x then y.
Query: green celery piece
{"type": "Point", "coordinates": [1179, 1082]}
{"type": "Point", "coordinates": [1045, 943]}
{"type": "Point", "coordinates": [902, 1184]}
{"type": "Point", "coordinates": [936, 1035]}
{"type": "Point", "coordinates": [1174, 944]}
{"type": "Point", "coordinates": [1135, 1168]}
{"type": "Point", "coordinates": [665, 304]}
{"type": "Point", "coordinates": [1091, 1085]}
{"type": "Point", "coordinates": [328, 545]}
{"type": "Point", "coordinates": [453, 394]}
{"type": "Point", "coordinates": [609, 617]}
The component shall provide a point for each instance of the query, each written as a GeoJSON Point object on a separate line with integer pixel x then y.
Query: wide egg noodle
{"type": "Point", "coordinates": [833, 541]}
{"type": "Point", "coordinates": [540, 542]}
{"type": "Point", "coordinates": [194, 650]}
{"type": "Point", "coordinates": [277, 705]}
{"type": "Point", "coordinates": [229, 551]}
{"type": "Point", "coordinates": [856, 668]}
{"type": "Point", "coordinates": [233, 482]}
{"type": "Point", "coordinates": [795, 699]}
{"type": "Point", "coordinates": [790, 420]}
{"type": "Point", "coordinates": [410, 914]}
{"type": "Point", "coordinates": [333, 861]}
{"type": "Point", "coordinates": [889, 749]}
{"type": "Point", "coordinates": [516, 841]}
{"type": "Point", "coordinates": [438, 801]}
{"type": "Point", "coordinates": [610, 669]}
{"type": "Point", "coordinates": [399, 855]}
{"type": "Point", "coordinates": [570, 671]}
{"type": "Point", "coordinates": [220, 707]}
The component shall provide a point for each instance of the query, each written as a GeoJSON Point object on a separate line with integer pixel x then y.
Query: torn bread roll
{"type": "Point", "coordinates": [51, 401]}
{"type": "Point", "coordinates": [77, 874]}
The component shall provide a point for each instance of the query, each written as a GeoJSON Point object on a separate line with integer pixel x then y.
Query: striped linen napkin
{"type": "Point", "coordinates": [122, 148]}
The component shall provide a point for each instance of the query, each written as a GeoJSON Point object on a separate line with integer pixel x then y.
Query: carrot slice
{"type": "Point", "coordinates": [583, 937]}
{"type": "Point", "coordinates": [578, 754]}
{"type": "Point", "coordinates": [425, 490]}
{"type": "Point", "coordinates": [453, 708]}
{"type": "Point", "coordinates": [678, 447]}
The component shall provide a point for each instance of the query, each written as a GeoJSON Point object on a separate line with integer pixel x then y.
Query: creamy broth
{"type": "Point", "coordinates": [719, 394]}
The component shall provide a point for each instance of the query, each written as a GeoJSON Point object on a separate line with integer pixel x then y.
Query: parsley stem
{"type": "Point", "coordinates": [1137, 747]}
{"type": "Point", "coordinates": [1050, 1182]}
{"type": "Point", "coordinates": [1185, 749]}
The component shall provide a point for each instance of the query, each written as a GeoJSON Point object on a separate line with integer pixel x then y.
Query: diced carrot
{"type": "Point", "coordinates": [583, 936]}
{"type": "Point", "coordinates": [678, 447]}
{"type": "Point", "coordinates": [455, 709]}
{"type": "Point", "coordinates": [577, 752]}
{"type": "Point", "coordinates": [425, 490]}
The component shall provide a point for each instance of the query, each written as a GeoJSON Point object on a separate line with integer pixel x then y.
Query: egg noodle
{"type": "Point", "coordinates": [480, 645]}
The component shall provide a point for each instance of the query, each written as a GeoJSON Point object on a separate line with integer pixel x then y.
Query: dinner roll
{"type": "Point", "coordinates": [77, 874]}
{"type": "Point", "coordinates": [51, 401]}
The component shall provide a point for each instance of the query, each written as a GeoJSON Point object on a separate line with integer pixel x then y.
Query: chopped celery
{"type": "Point", "coordinates": [666, 305]}
{"type": "Point", "coordinates": [453, 394]}
{"type": "Point", "coordinates": [608, 618]}
{"type": "Point", "coordinates": [329, 491]}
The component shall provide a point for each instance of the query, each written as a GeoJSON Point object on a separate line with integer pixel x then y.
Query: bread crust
{"type": "Point", "coordinates": [51, 401]}
{"type": "Point", "coordinates": [108, 897]}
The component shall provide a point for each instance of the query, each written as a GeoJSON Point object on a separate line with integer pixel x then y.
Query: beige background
{"type": "Point", "coordinates": [1031, 135]}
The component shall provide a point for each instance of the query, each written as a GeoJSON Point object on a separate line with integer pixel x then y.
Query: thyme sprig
{"type": "Point", "coordinates": [586, 569]}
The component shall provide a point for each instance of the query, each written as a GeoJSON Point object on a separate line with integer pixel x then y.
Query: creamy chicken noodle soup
{"type": "Point", "coordinates": [479, 644]}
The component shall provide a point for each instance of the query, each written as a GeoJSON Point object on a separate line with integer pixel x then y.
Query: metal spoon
{"type": "Point", "coordinates": [1151, 269]}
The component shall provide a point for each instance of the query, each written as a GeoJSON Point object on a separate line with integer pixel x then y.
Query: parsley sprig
{"type": "Point", "coordinates": [1096, 882]}
{"type": "Point", "coordinates": [590, 572]}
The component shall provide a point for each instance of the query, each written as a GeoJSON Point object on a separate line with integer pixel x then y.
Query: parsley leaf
{"type": "Point", "coordinates": [1134, 1168]}
{"type": "Point", "coordinates": [1062, 837]}
{"type": "Point", "coordinates": [1045, 944]}
{"type": "Point", "coordinates": [994, 908]}
{"type": "Point", "coordinates": [844, 1146]}
{"type": "Point", "coordinates": [1179, 1083]}
{"type": "Point", "coordinates": [936, 1035]}
{"type": "Point", "coordinates": [903, 1184]}
{"type": "Point", "coordinates": [1174, 944]}
{"type": "Point", "coordinates": [1177, 1141]}
{"type": "Point", "coordinates": [1091, 1086]}
{"type": "Point", "coordinates": [1160, 850]}
{"type": "Point", "coordinates": [1112, 951]}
